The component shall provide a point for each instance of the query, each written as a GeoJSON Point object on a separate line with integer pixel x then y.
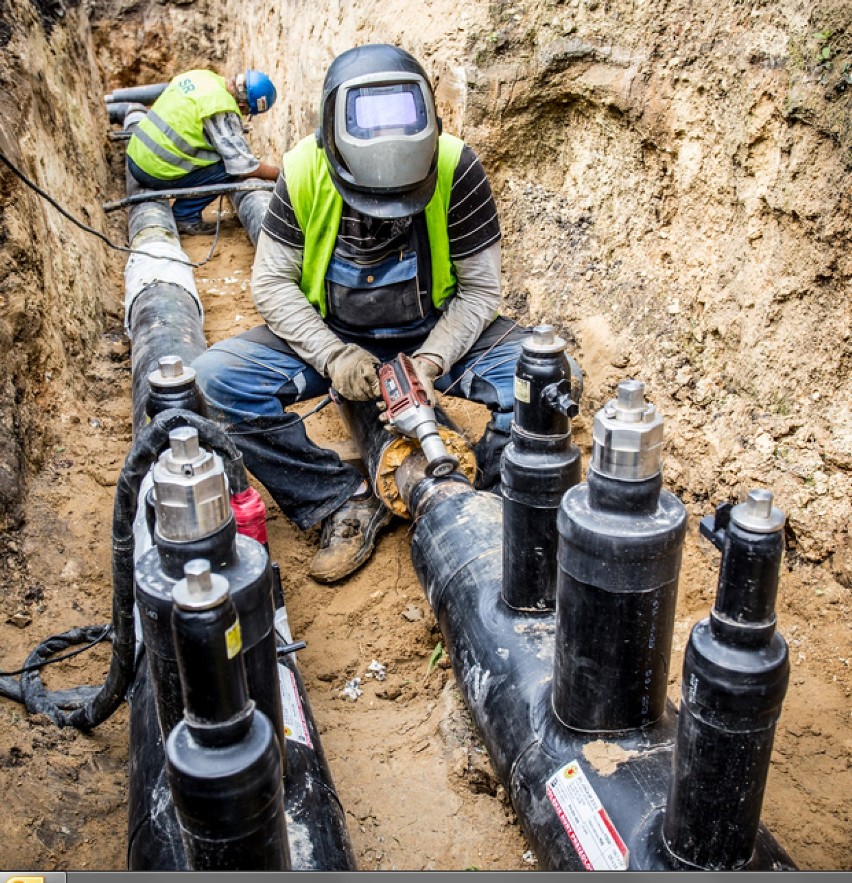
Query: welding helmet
{"type": "Point", "coordinates": [255, 89]}
{"type": "Point", "coordinates": [379, 131]}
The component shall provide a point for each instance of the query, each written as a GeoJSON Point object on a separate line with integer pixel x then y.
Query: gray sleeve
{"type": "Point", "coordinates": [225, 132]}
{"type": "Point", "coordinates": [285, 309]}
{"type": "Point", "coordinates": [473, 308]}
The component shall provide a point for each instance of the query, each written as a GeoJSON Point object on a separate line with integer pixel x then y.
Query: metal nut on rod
{"type": "Point", "coordinates": [200, 589]}
{"type": "Point", "coordinates": [628, 435]}
{"type": "Point", "coordinates": [171, 371]}
{"type": "Point", "coordinates": [757, 513]}
{"type": "Point", "coordinates": [190, 488]}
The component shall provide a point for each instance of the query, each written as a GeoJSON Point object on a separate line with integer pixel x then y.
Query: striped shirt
{"type": "Point", "coordinates": [472, 219]}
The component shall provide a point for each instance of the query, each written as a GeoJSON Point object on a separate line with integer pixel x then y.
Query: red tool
{"type": "Point", "coordinates": [410, 414]}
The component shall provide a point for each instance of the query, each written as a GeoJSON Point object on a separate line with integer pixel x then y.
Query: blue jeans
{"type": "Point", "coordinates": [248, 387]}
{"type": "Point", "coordinates": [187, 208]}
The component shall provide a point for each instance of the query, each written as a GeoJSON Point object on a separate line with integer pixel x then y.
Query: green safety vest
{"type": "Point", "coordinates": [170, 141]}
{"type": "Point", "coordinates": [318, 208]}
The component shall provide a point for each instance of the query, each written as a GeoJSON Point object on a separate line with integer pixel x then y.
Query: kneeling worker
{"type": "Point", "coordinates": [381, 237]}
{"type": "Point", "coordinates": [193, 136]}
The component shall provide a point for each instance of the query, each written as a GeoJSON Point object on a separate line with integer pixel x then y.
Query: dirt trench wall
{"type": "Point", "coordinates": [55, 279]}
{"type": "Point", "coordinates": [674, 187]}
{"type": "Point", "coordinates": [673, 181]}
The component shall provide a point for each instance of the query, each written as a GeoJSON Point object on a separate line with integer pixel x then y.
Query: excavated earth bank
{"type": "Point", "coordinates": [674, 187]}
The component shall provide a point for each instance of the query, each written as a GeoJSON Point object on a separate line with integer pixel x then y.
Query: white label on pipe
{"type": "Point", "coordinates": [295, 724]}
{"type": "Point", "coordinates": [522, 390]}
{"type": "Point", "coordinates": [586, 822]}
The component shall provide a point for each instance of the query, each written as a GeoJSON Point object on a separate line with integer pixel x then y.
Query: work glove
{"type": "Point", "coordinates": [427, 373]}
{"type": "Point", "coordinates": [352, 372]}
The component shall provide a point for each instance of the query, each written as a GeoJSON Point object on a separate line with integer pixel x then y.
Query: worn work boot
{"type": "Point", "coordinates": [349, 537]}
{"type": "Point", "coordinates": [195, 228]}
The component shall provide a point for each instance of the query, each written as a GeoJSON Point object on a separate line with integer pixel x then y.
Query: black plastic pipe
{"type": "Point", "coordinates": [146, 95]}
{"type": "Point", "coordinates": [583, 798]}
{"type": "Point", "coordinates": [251, 206]}
{"type": "Point", "coordinates": [163, 313]}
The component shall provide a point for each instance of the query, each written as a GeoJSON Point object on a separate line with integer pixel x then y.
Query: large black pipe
{"type": "Point", "coordinates": [163, 313]}
{"type": "Point", "coordinates": [146, 95]}
{"type": "Point", "coordinates": [582, 798]}
{"type": "Point", "coordinates": [251, 208]}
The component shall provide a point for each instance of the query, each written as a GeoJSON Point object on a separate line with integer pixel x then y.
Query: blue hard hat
{"type": "Point", "coordinates": [260, 94]}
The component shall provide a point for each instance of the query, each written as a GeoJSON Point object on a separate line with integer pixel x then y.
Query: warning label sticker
{"type": "Point", "coordinates": [295, 724]}
{"type": "Point", "coordinates": [522, 390]}
{"type": "Point", "coordinates": [586, 822]}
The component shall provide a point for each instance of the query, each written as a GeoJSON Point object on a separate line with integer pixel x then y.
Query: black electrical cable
{"type": "Point", "coordinates": [105, 631]}
{"type": "Point", "coordinates": [102, 236]}
{"type": "Point", "coordinates": [42, 655]}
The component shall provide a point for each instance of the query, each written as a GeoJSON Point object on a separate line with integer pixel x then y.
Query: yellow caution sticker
{"type": "Point", "coordinates": [522, 390]}
{"type": "Point", "coordinates": [234, 640]}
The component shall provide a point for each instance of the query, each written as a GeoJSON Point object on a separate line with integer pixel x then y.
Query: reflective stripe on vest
{"type": "Point", "coordinates": [170, 141]}
{"type": "Point", "coordinates": [319, 207]}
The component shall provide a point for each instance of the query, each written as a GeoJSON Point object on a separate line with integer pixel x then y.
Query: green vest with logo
{"type": "Point", "coordinates": [319, 207]}
{"type": "Point", "coordinates": [170, 141]}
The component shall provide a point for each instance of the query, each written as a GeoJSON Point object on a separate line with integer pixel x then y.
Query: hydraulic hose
{"type": "Point", "coordinates": [150, 442]}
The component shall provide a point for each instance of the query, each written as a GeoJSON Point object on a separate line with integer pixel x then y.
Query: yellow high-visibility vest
{"type": "Point", "coordinates": [170, 141]}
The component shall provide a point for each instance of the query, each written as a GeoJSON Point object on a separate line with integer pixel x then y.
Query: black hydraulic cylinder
{"type": "Point", "coordinates": [208, 641]}
{"type": "Point", "coordinates": [621, 538]}
{"type": "Point", "coordinates": [223, 760]}
{"type": "Point", "coordinates": [615, 606]}
{"type": "Point", "coordinates": [245, 564]}
{"type": "Point", "coordinates": [735, 675]}
{"type": "Point", "coordinates": [316, 821]}
{"type": "Point", "coordinates": [538, 465]}
{"type": "Point", "coordinates": [194, 519]}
